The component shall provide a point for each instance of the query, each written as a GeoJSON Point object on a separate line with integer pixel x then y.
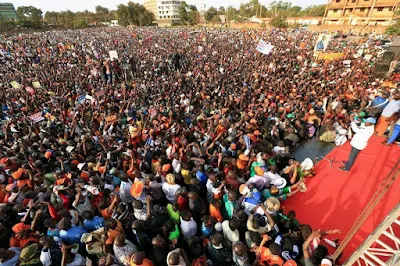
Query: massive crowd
{"type": "Point", "coordinates": [178, 151]}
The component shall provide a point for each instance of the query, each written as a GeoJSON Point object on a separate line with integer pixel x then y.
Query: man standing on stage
{"type": "Point", "coordinates": [360, 140]}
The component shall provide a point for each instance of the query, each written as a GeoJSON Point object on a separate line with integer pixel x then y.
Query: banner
{"type": "Point", "coordinates": [100, 93]}
{"type": "Point", "coordinates": [113, 55]}
{"type": "Point", "coordinates": [264, 47]}
{"type": "Point", "coordinates": [36, 118]}
{"type": "Point", "coordinates": [81, 99]}
{"type": "Point", "coordinates": [330, 56]}
{"type": "Point", "coordinates": [322, 43]}
{"type": "Point", "coordinates": [15, 84]}
{"type": "Point", "coordinates": [36, 84]}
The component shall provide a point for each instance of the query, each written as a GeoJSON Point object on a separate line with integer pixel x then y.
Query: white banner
{"type": "Point", "coordinates": [264, 47]}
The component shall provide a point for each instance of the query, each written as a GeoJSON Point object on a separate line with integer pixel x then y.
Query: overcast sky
{"type": "Point", "coordinates": [80, 5]}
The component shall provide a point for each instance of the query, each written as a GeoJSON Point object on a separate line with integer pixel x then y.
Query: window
{"type": "Point", "coordinates": [362, 9]}
{"type": "Point", "coordinates": [337, 1]}
{"type": "Point", "coordinates": [166, 12]}
{"type": "Point", "coordinates": [168, 16]}
{"type": "Point", "coordinates": [335, 10]}
{"type": "Point", "coordinates": [353, 1]}
{"type": "Point", "coordinates": [380, 9]}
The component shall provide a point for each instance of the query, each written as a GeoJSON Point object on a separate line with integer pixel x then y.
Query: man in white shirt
{"type": "Point", "coordinates": [230, 231]}
{"type": "Point", "coordinates": [188, 225]}
{"type": "Point", "coordinates": [360, 140]}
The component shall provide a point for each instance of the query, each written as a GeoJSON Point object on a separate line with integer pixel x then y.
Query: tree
{"type": "Point", "coordinates": [193, 15]}
{"type": "Point", "coordinates": [134, 14]}
{"type": "Point", "coordinates": [231, 13]}
{"type": "Point", "coordinates": [101, 13]}
{"type": "Point", "coordinates": [314, 11]}
{"type": "Point", "coordinates": [215, 19]}
{"type": "Point", "coordinates": [221, 10]}
{"type": "Point", "coordinates": [80, 24]}
{"type": "Point", "coordinates": [183, 12]}
{"type": "Point", "coordinates": [279, 22]}
{"type": "Point", "coordinates": [30, 17]}
{"type": "Point", "coordinates": [395, 28]}
{"type": "Point", "coordinates": [210, 14]}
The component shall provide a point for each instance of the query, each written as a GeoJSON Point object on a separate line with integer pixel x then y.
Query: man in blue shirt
{"type": "Point", "coordinates": [91, 222]}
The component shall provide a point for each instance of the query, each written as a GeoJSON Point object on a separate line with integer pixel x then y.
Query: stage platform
{"type": "Point", "coordinates": [335, 199]}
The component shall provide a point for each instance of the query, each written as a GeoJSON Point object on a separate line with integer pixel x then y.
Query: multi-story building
{"type": "Point", "coordinates": [165, 11]}
{"type": "Point", "coordinates": [7, 12]}
{"type": "Point", "coordinates": [360, 12]}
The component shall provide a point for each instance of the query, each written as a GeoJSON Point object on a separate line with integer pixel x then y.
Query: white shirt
{"type": "Point", "coordinates": [361, 136]}
{"type": "Point", "coordinates": [392, 107]}
{"type": "Point", "coordinates": [176, 165]}
{"type": "Point", "coordinates": [261, 182]}
{"type": "Point", "coordinates": [188, 228]}
{"type": "Point", "coordinates": [170, 191]}
{"type": "Point", "coordinates": [232, 236]}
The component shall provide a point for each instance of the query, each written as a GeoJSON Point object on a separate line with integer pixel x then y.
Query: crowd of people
{"type": "Point", "coordinates": [178, 151]}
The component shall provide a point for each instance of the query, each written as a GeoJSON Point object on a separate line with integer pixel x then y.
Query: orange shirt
{"type": "Point", "coordinates": [113, 233]}
{"type": "Point", "coordinates": [267, 256]}
{"type": "Point", "coordinates": [215, 213]}
{"type": "Point", "coordinates": [145, 262]}
{"type": "Point", "coordinates": [105, 214]}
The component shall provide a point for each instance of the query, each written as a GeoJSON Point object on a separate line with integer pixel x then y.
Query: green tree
{"type": "Point", "coordinates": [221, 10]}
{"type": "Point", "coordinates": [30, 17]}
{"type": "Point", "coordinates": [134, 14]}
{"type": "Point", "coordinates": [314, 11]}
{"type": "Point", "coordinates": [183, 12]}
{"type": "Point", "coordinates": [193, 15]}
{"type": "Point", "coordinates": [80, 24]}
{"type": "Point", "coordinates": [231, 13]}
{"type": "Point", "coordinates": [394, 29]}
{"type": "Point", "coordinates": [101, 13]}
{"type": "Point", "coordinates": [210, 14]}
{"type": "Point", "coordinates": [279, 22]}
{"type": "Point", "coordinates": [215, 19]}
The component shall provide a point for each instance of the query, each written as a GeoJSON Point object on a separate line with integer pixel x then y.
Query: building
{"type": "Point", "coordinates": [7, 12]}
{"type": "Point", "coordinates": [306, 21]}
{"type": "Point", "coordinates": [165, 11]}
{"type": "Point", "coordinates": [360, 12]}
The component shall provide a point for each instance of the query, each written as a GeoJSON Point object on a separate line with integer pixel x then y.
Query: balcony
{"type": "Point", "coordinates": [385, 15]}
{"type": "Point", "coordinates": [385, 3]}
{"type": "Point", "coordinates": [335, 5]}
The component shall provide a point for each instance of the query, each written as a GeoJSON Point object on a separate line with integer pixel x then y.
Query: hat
{"type": "Point", "coordinates": [279, 182]}
{"type": "Point", "coordinates": [370, 120]}
{"type": "Point", "coordinates": [218, 227]}
{"type": "Point", "coordinates": [307, 164]}
{"type": "Point", "coordinates": [243, 157]}
{"type": "Point", "coordinates": [291, 115]}
{"type": "Point", "coordinates": [137, 189]}
{"type": "Point", "coordinates": [17, 174]}
{"type": "Point", "coordinates": [259, 171]}
{"type": "Point", "coordinates": [233, 146]}
{"type": "Point", "coordinates": [243, 189]}
{"type": "Point", "coordinates": [86, 237]}
{"type": "Point", "coordinates": [29, 252]}
{"type": "Point", "coordinates": [290, 263]}
{"type": "Point", "coordinates": [273, 204]}
{"type": "Point", "coordinates": [257, 133]}
{"type": "Point", "coordinates": [326, 262]}
{"type": "Point", "coordinates": [166, 167]}
{"type": "Point", "coordinates": [20, 227]}
{"type": "Point", "coordinates": [48, 154]}
{"type": "Point", "coordinates": [102, 169]}
{"type": "Point", "coordinates": [170, 178]}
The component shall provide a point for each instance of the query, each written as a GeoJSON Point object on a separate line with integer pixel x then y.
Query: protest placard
{"type": "Point", "coordinates": [330, 56]}
{"type": "Point", "coordinates": [36, 84]}
{"type": "Point", "coordinates": [321, 44]}
{"type": "Point", "coordinates": [36, 118]}
{"type": "Point", "coordinates": [100, 93]}
{"type": "Point", "coordinates": [81, 99]}
{"type": "Point", "coordinates": [264, 47]}
{"type": "Point", "coordinates": [113, 54]}
{"type": "Point", "coordinates": [15, 84]}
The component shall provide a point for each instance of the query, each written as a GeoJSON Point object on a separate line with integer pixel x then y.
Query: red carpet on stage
{"type": "Point", "coordinates": [334, 199]}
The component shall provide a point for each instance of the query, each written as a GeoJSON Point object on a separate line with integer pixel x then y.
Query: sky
{"type": "Point", "coordinates": [80, 5]}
